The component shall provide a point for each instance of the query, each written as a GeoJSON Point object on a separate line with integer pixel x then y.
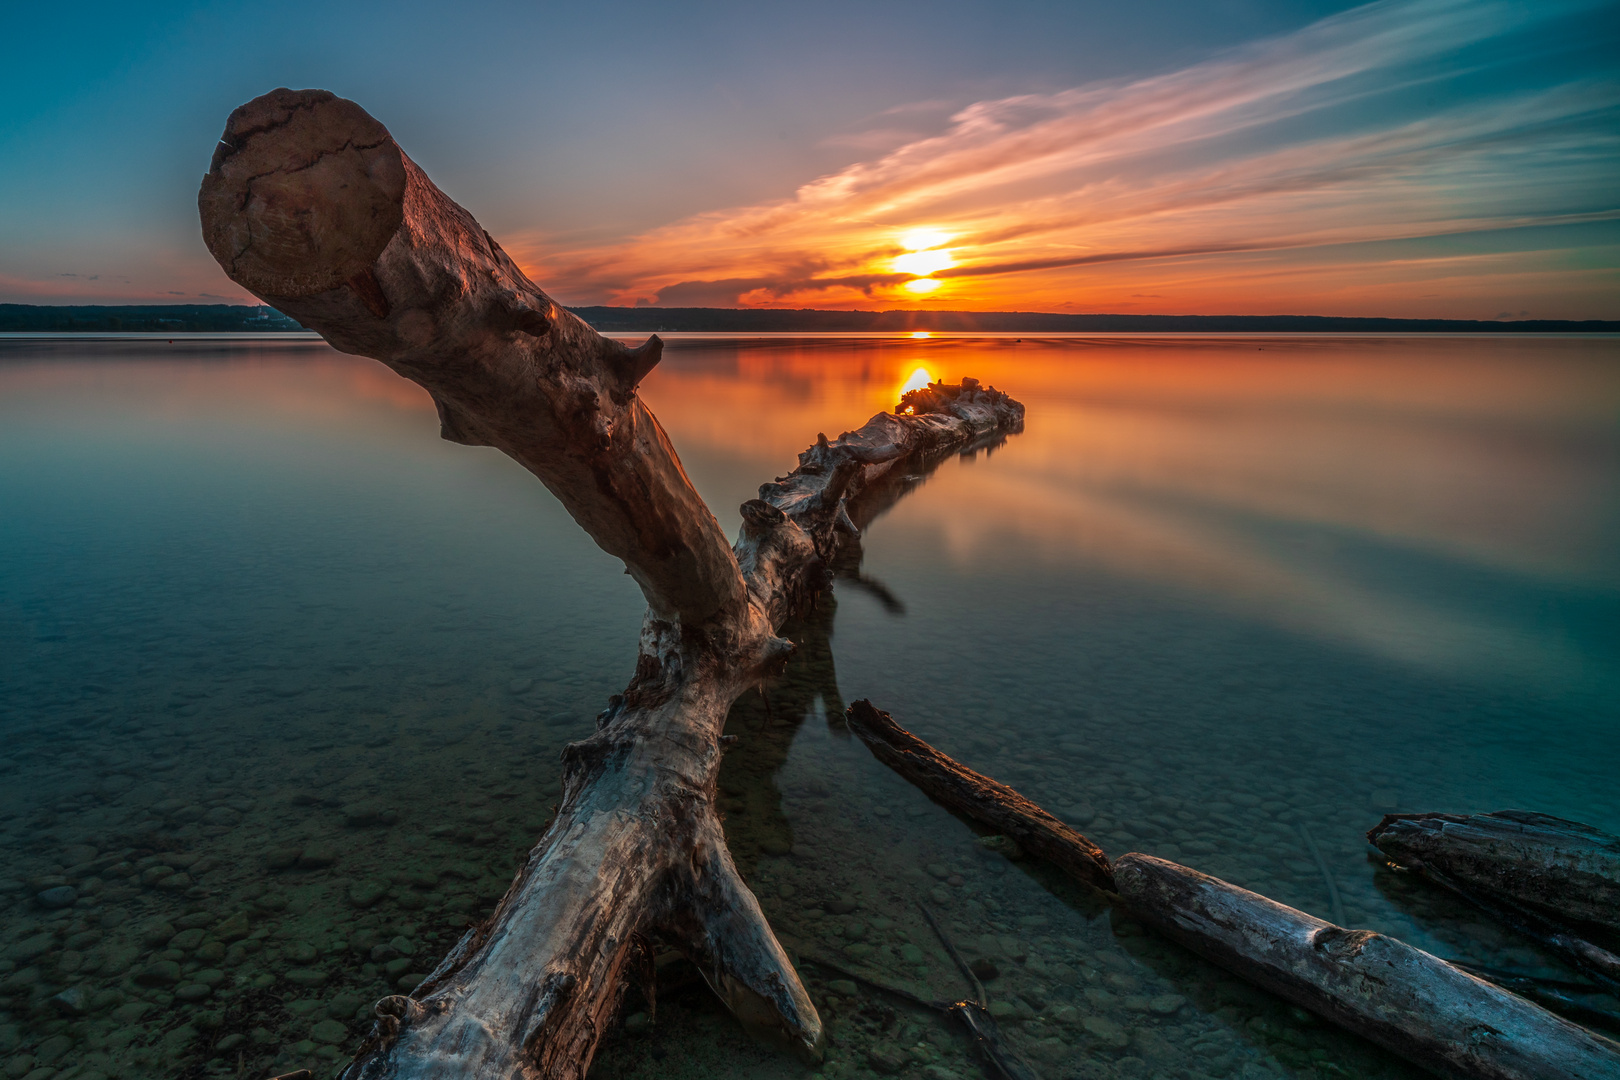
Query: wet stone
{"type": "Point", "coordinates": [234, 928]}
{"type": "Point", "coordinates": [368, 815]}
{"type": "Point", "coordinates": [31, 947]}
{"type": "Point", "coordinates": [363, 894]}
{"type": "Point", "coordinates": [186, 940]}
{"type": "Point", "coordinates": [193, 992]}
{"type": "Point", "coordinates": [162, 973]}
{"type": "Point", "coordinates": [74, 1001]}
{"type": "Point", "coordinates": [345, 1006]}
{"type": "Point", "coordinates": [329, 1031]}
{"type": "Point", "coordinates": [62, 896]}
{"type": "Point", "coordinates": [317, 856]}
{"type": "Point", "coordinates": [1106, 1032]}
{"type": "Point", "coordinates": [283, 857]}
{"type": "Point", "coordinates": [998, 845]}
{"type": "Point", "coordinates": [310, 977]}
{"type": "Point", "coordinates": [887, 1059]}
{"type": "Point", "coordinates": [53, 1050]}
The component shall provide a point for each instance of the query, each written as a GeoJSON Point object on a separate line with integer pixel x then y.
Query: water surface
{"type": "Point", "coordinates": [285, 679]}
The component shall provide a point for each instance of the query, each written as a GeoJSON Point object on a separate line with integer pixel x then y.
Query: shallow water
{"type": "Point", "coordinates": [285, 679]}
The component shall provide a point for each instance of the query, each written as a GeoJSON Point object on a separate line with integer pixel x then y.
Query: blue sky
{"type": "Point", "coordinates": [1417, 157]}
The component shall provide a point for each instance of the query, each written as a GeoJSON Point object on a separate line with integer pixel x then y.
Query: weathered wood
{"type": "Point", "coordinates": [311, 205]}
{"type": "Point", "coordinates": [1404, 999]}
{"type": "Point", "coordinates": [984, 800]}
{"type": "Point", "coordinates": [1563, 868]}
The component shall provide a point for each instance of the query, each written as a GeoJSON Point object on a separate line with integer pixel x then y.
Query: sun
{"type": "Point", "coordinates": [922, 239]}
{"type": "Point", "coordinates": [925, 254]}
{"type": "Point", "coordinates": [916, 381]}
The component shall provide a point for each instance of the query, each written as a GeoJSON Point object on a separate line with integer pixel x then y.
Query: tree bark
{"type": "Point", "coordinates": [311, 205]}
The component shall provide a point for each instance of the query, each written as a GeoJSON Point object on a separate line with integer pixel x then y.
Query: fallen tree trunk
{"type": "Point", "coordinates": [1562, 868]}
{"type": "Point", "coordinates": [979, 797]}
{"type": "Point", "coordinates": [1402, 998]}
{"type": "Point", "coordinates": [1550, 880]}
{"type": "Point", "coordinates": [311, 205]}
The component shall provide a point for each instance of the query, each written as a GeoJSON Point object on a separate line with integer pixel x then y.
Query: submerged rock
{"type": "Point", "coordinates": [74, 1001]}
{"type": "Point", "coordinates": [1107, 1032]}
{"type": "Point", "coordinates": [62, 896]}
{"type": "Point", "coordinates": [329, 1031]}
{"type": "Point", "coordinates": [161, 973]}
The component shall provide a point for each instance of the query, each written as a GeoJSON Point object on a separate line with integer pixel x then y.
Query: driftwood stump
{"type": "Point", "coordinates": [311, 205]}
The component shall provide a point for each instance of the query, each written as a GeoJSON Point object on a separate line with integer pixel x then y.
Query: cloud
{"type": "Point", "coordinates": [1401, 119]}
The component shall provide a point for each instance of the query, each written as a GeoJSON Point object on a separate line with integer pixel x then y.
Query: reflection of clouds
{"type": "Point", "coordinates": [241, 380]}
{"type": "Point", "coordinates": [1400, 119]}
{"type": "Point", "coordinates": [1243, 475]}
{"type": "Point", "coordinates": [1183, 549]}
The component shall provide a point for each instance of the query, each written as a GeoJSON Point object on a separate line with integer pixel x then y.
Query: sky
{"type": "Point", "coordinates": [1413, 158]}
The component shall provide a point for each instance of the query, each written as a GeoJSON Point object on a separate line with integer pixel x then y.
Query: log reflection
{"type": "Point", "coordinates": [765, 723]}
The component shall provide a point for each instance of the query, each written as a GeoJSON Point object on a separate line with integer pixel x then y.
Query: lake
{"type": "Point", "coordinates": [286, 679]}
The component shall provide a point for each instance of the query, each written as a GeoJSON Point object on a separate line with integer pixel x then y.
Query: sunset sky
{"type": "Point", "coordinates": [1433, 158]}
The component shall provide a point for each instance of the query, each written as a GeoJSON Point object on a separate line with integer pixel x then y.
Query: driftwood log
{"type": "Point", "coordinates": [311, 205]}
{"type": "Point", "coordinates": [977, 796]}
{"type": "Point", "coordinates": [1417, 1005]}
{"type": "Point", "coordinates": [1563, 868]}
{"type": "Point", "coordinates": [1552, 880]}
{"type": "Point", "coordinates": [1405, 1000]}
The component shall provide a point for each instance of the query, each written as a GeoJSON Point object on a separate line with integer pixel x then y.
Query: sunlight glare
{"type": "Point", "coordinates": [916, 381]}
{"type": "Point", "coordinates": [922, 285]}
{"type": "Point", "coordinates": [919, 239]}
{"type": "Point", "coordinates": [921, 334]}
{"type": "Point", "coordinates": [923, 262]}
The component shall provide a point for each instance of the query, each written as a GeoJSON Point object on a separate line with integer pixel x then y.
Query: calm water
{"type": "Point", "coordinates": [284, 680]}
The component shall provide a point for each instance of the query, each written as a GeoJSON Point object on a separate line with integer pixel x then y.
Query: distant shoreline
{"type": "Point", "coordinates": [228, 318]}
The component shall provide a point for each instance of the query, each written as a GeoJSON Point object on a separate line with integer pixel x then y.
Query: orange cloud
{"type": "Point", "coordinates": [1096, 195]}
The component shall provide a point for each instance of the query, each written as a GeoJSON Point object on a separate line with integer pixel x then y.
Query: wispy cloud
{"type": "Point", "coordinates": [1401, 119]}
